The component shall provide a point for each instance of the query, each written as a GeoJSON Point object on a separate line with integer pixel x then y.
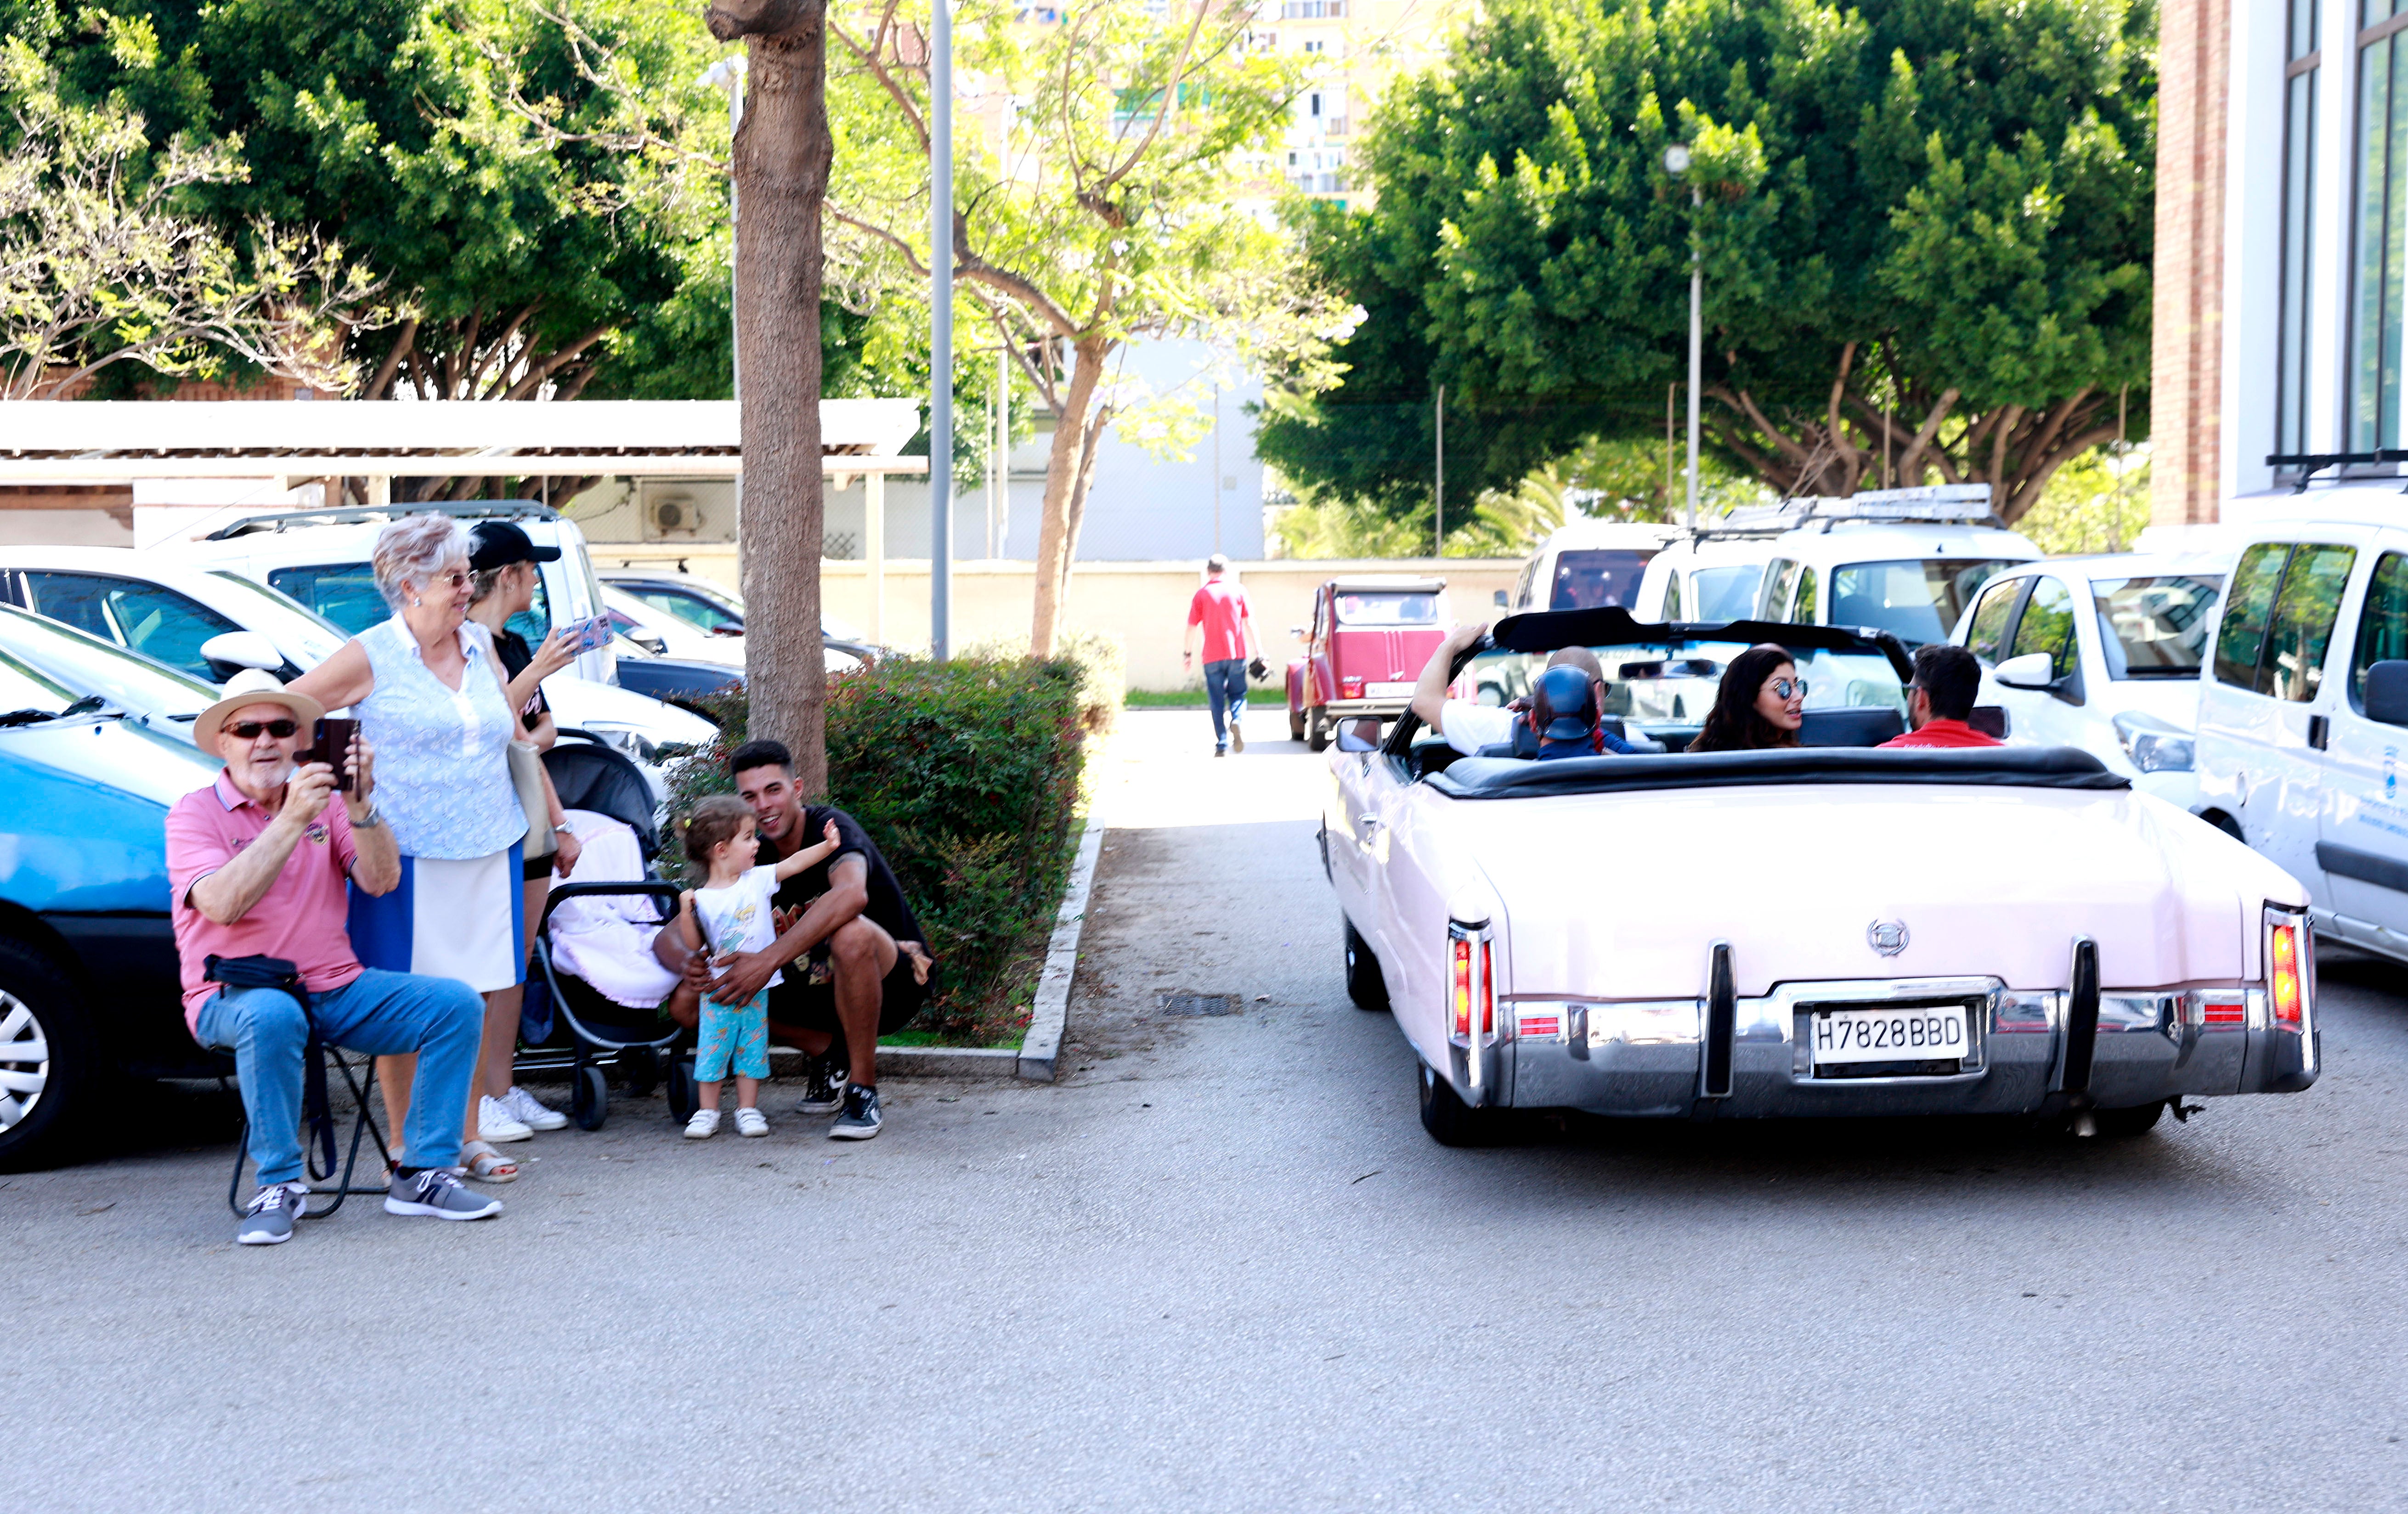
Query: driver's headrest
{"type": "Point", "coordinates": [1563, 707]}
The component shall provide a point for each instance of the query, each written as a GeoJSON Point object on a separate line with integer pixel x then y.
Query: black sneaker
{"type": "Point", "coordinates": [860, 1120]}
{"type": "Point", "coordinates": [822, 1087]}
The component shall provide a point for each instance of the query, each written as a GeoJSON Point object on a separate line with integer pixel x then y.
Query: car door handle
{"type": "Point", "coordinates": [2319, 731]}
{"type": "Point", "coordinates": [1367, 822]}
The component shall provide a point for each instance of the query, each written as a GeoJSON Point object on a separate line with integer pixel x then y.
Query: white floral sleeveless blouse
{"type": "Point", "coordinates": [443, 777]}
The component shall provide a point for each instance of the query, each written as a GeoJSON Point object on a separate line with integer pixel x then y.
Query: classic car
{"type": "Point", "coordinates": [1826, 930]}
{"type": "Point", "coordinates": [1370, 635]}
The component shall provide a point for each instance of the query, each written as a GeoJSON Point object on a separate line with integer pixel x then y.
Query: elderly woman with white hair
{"type": "Point", "coordinates": [430, 694]}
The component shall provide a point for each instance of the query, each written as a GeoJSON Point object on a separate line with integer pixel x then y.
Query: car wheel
{"type": "Point", "coordinates": [47, 1059]}
{"type": "Point", "coordinates": [1448, 1119]}
{"type": "Point", "coordinates": [2124, 1125]}
{"type": "Point", "coordinates": [1364, 984]}
{"type": "Point", "coordinates": [1294, 723]}
{"type": "Point", "coordinates": [2226, 824]}
{"type": "Point", "coordinates": [1316, 728]}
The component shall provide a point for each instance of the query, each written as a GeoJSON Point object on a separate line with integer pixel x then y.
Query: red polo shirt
{"type": "Point", "coordinates": [303, 917]}
{"type": "Point", "coordinates": [1218, 606]}
{"type": "Point", "coordinates": [1939, 733]}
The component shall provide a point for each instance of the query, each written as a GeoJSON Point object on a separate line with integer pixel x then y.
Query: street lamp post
{"type": "Point", "coordinates": [1676, 163]}
{"type": "Point", "coordinates": [940, 333]}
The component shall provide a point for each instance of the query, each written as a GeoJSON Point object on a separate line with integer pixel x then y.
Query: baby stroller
{"type": "Point", "coordinates": [594, 965]}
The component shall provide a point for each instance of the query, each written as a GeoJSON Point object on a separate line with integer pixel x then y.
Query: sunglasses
{"type": "Point", "coordinates": [457, 578]}
{"type": "Point", "coordinates": [249, 730]}
{"type": "Point", "coordinates": [1788, 688]}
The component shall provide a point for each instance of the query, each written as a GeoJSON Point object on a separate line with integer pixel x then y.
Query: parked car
{"type": "Point", "coordinates": [1703, 578]}
{"type": "Point", "coordinates": [674, 680]}
{"type": "Point", "coordinates": [147, 692]}
{"type": "Point", "coordinates": [1904, 560]}
{"type": "Point", "coordinates": [663, 609]}
{"type": "Point", "coordinates": [2103, 653]}
{"type": "Point", "coordinates": [2303, 710]}
{"type": "Point", "coordinates": [168, 610]}
{"type": "Point", "coordinates": [1371, 633]}
{"type": "Point", "coordinates": [87, 971]}
{"type": "Point", "coordinates": [1585, 564]}
{"type": "Point", "coordinates": [2076, 950]}
{"type": "Point", "coordinates": [665, 634]}
{"type": "Point", "coordinates": [321, 559]}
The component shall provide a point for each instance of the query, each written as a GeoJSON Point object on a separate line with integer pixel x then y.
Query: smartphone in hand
{"type": "Point", "coordinates": [330, 742]}
{"type": "Point", "coordinates": [587, 635]}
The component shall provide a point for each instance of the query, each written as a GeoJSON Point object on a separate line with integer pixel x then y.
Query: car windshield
{"type": "Point", "coordinates": [345, 594]}
{"type": "Point", "coordinates": [92, 666]}
{"type": "Point", "coordinates": [692, 605]}
{"type": "Point", "coordinates": [1726, 594]}
{"type": "Point", "coordinates": [1387, 607]}
{"type": "Point", "coordinates": [22, 692]}
{"type": "Point", "coordinates": [1665, 691]}
{"type": "Point", "coordinates": [1595, 578]}
{"type": "Point", "coordinates": [2155, 628]}
{"type": "Point", "coordinates": [284, 618]}
{"type": "Point", "coordinates": [1916, 600]}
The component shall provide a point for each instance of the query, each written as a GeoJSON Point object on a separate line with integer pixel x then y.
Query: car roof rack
{"type": "Point", "coordinates": [1932, 504]}
{"type": "Point", "coordinates": [460, 509]}
{"type": "Point", "coordinates": [2312, 464]}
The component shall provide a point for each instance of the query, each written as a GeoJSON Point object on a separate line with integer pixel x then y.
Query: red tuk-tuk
{"type": "Point", "coordinates": [1368, 639]}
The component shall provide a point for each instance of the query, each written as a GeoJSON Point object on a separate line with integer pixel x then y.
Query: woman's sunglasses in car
{"type": "Point", "coordinates": [249, 730]}
{"type": "Point", "coordinates": [1788, 688]}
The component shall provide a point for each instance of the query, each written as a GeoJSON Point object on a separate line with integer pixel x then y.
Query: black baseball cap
{"type": "Point", "coordinates": [493, 544]}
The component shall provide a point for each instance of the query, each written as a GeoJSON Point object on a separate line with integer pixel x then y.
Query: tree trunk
{"type": "Point", "coordinates": [782, 157]}
{"type": "Point", "coordinates": [1068, 468]}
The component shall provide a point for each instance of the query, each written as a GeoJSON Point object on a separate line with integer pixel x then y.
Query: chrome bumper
{"type": "Point", "coordinates": [1653, 1058]}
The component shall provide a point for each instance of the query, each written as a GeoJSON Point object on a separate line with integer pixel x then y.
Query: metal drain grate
{"type": "Point", "coordinates": [1200, 1003]}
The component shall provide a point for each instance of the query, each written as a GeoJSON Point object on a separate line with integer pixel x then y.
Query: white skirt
{"type": "Point", "coordinates": [458, 920]}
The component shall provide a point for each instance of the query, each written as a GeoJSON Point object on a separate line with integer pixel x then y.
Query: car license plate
{"type": "Point", "coordinates": [1390, 690]}
{"type": "Point", "coordinates": [1916, 1033]}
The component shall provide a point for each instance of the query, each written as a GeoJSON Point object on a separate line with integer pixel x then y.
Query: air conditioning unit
{"type": "Point", "coordinates": [672, 515]}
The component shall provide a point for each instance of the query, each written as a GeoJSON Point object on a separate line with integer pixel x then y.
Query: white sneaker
{"type": "Point", "coordinates": [751, 1122]}
{"type": "Point", "coordinates": [1236, 737]}
{"type": "Point", "coordinates": [703, 1126]}
{"type": "Point", "coordinates": [532, 1112]}
{"type": "Point", "coordinates": [494, 1122]}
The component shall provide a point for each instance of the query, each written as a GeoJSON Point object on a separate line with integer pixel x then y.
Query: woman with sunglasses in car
{"type": "Point", "coordinates": [431, 694]}
{"type": "Point", "coordinates": [1760, 705]}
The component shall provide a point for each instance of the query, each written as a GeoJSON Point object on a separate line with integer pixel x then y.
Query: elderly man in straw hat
{"type": "Point", "coordinates": [256, 863]}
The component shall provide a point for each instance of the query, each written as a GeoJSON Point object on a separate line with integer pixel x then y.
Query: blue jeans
{"type": "Point", "coordinates": [380, 1012]}
{"type": "Point", "coordinates": [1225, 683]}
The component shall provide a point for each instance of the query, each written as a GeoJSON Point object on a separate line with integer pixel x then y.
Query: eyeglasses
{"type": "Point", "coordinates": [249, 730]}
{"type": "Point", "coordinates": [457, 578]}
{"type": "Point", "coordinates": [1788, 688]}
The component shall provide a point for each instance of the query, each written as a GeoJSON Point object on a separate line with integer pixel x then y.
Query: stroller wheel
{"type": "Point", "coordinates": [590, 1098]}
{"type": "Point", "coordinates": [641, 1068]}
{"type": "Point", "coordinates": [682, 1099]}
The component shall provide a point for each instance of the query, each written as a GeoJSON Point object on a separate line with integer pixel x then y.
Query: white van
{"type": "Point", "coordinates": [2103, 653]}
{"type": "Point", "coordinates": [1704, 578]}
{"type": "Point", "coordinates": [2303, 710]}
{"type": "Point", "coordinates": [1586, 564]}
{"type": "Point", "coordinates": [1904, 560]}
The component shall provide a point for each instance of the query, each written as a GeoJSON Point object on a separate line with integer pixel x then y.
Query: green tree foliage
{"type": "Point", "coordinates": [1925, 228]}
{"type": "Point", "coordinates": [2092, 505]}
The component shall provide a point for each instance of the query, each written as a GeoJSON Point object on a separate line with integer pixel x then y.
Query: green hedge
{"type": "Point", "coordinates": [967, 776]}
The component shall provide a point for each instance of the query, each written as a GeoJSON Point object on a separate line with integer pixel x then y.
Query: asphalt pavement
{"type": "Point", "coordinates": [1219, 1266]}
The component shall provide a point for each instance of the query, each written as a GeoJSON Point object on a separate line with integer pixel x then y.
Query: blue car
{"type": "Point", "coordinates": [88, 973]}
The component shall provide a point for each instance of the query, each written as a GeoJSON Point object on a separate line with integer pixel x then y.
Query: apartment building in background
{"type": "Point", "coordinates": [1356, 49]}
{"type": "Point", "coordinates": [2282, 249]}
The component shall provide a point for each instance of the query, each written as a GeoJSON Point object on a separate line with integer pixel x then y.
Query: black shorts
{"type": "Point", "coordinates": [812, 1006]}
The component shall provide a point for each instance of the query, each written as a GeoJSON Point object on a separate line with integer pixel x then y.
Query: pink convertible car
{"type": "Point", "coordinates": [1823, 931]}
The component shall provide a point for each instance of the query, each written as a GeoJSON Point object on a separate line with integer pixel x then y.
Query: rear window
{"type": "Point", "coordinates": [1595, 578]}
{"type": "Point", "coordinates": [1916, 600]}
{"type": "Point", "coordinates": [343, 593]}
{"type": "Point", "coordinates": [1401, 608]}
{"type": "Point", "coordinates": [1726, 594]}
{"type": "Point", "coordinates": [2155, 628]}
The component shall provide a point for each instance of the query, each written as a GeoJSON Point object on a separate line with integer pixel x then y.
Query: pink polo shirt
{"type": "Point", "coordinates": [304, 915]}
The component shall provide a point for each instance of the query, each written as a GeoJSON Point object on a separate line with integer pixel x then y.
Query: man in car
{"type": "Point", "coordinates": [257, 864]}
{"type": "Point", "coordinates": [1947, 679]}
{"type": "Point", "coordinates": [871, 978]}
{"type": "Point", "coordinates": [1469, 725]}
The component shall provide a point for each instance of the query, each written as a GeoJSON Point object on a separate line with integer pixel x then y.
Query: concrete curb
{"type": "Point", "coordinates": [1048, 1018]}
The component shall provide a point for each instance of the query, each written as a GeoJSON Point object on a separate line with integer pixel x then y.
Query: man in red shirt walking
{"type": "Point", "coordinates": [1947, 679]}
{"type": "Point", "coordinates": [1219, 607]}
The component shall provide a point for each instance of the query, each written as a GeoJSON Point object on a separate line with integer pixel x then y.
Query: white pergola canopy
{"type": "Point", "coordinates": [101, 442]}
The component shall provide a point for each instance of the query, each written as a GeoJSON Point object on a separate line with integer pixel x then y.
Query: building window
{"type": "Point", "coordinates": [1315, 46]}
{"type": "Point", "coordinates": [2299, 201]}
{"type": "Point", "coordinates": [2381, 257]}
{"type": "Point", "coordinates": [1312, 105]}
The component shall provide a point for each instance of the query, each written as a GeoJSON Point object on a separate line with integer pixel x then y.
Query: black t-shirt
{"type": "Point", "coordinates": [511, 649]}
{"type": "Point", "coordinates": [885, 906]}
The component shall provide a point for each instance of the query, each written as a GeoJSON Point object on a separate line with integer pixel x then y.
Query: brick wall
{"type": "Point", "coordinates": [2186, 350]}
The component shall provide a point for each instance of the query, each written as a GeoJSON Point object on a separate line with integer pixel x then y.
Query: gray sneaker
{"type": "Point", "coordinates": [435, 1192]}
{"type": "Point", "coordinates": [860, 1120]}
{"type": "Point", "coordinates": [267, 1220]}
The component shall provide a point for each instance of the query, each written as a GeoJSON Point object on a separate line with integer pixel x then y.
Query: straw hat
{"type": "Point", "coordinates": [252, 686]}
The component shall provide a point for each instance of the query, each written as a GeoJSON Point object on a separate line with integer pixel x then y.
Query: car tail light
{"type": "Point", "coordinates": [2290, 968]}
{"type": "Point", "coordinates": [1474, 984]}
{"type": "Point", "coordinates": [2223, 1011]}
{"type": "Point", "coordinates": [1350, 688]}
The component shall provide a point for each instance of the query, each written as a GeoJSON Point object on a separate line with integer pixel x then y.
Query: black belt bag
{"type": "Point", "coordinates": [317, 1114]}
{"type": "Point", "coordinates": [255, 971]}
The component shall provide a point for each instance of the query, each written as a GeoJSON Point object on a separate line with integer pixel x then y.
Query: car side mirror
{"type": "Point", "coordinates": [2032, 670]}
{"type": "Point", "coordinates": [2387, 692]}
{"type": "Point", "coordinates": [1361, 735]}
{"type": "Point", "coordinates": [654, 643]}
{"type": "Point", "coordinates": [1502, 603]}
{"type": "Point", "coordinates": [250, 648]}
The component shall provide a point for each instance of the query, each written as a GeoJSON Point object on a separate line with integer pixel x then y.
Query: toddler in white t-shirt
{"type": "Point", "coordinates": [730, 914]}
